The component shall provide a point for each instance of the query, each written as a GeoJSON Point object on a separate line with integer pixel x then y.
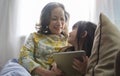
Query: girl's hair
{"type": "Point", "coordinates": [90, 28]}
{"type": "Point", "coordinates": [46, 16]}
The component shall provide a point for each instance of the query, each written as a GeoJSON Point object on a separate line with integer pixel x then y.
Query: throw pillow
{"type": "Point", "coordinates": [105, 47]}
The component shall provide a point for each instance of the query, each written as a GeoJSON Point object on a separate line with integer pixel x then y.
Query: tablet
{"type": "Point", "coordinates": [64, 61]}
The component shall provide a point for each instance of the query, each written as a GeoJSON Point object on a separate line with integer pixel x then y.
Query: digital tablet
{"type": "Point", "coordinates": [64, 61]}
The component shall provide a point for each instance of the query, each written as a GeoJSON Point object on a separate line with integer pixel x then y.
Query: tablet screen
{"type": "Point", "coordinates": [64, 61]}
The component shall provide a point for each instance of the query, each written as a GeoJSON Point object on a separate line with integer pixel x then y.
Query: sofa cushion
{"type": "Point", "coordinates": [105, 47]}
{"type": "Point", "coordinates": [117, 65]}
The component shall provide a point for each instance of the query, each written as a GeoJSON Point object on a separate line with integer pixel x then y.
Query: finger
{"type": "Point", "coordinates": [77, 62]}
{"type": "Point", "coordinates": [76, 68]}
{"type": "Point", "coordinates": [56, 70]}
{"type": "Point", "coordinates": [54, 66]}
{"type": "Point", "coordinates": [85, 59]}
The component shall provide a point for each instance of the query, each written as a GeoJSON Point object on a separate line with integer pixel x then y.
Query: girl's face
{"type": "Point", "coordinates": [72, 36]}
{"type": "Point", "coordinates": [57, 21]}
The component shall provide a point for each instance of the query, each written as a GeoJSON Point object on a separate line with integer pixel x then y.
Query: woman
{"type": "Point", "coordinates": [36, 53]}
{"type": "Point", "coordinates": [81, 38]}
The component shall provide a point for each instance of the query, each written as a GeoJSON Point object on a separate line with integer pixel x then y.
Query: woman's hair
{"type": "Point", "coordinates": [82, 27]}
{"type": "Point", "coordinates": [46, 16]}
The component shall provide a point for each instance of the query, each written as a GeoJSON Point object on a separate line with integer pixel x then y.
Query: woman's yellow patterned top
{"type": "Point", "coordinates": [43, 46]}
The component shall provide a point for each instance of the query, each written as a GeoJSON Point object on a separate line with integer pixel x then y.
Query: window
{"type": "Point", "coordinates": [29, 12]}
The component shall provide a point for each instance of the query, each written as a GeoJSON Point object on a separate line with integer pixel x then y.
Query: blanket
{"type": "Point", "coordinates": [13, 68]}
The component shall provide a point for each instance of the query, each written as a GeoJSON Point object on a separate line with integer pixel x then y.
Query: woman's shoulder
{"type": "Point", "coordinates": [36, 34]}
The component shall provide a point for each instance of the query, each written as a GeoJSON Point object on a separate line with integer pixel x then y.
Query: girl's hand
{"type": "Point", "coordinates": [80, 66]}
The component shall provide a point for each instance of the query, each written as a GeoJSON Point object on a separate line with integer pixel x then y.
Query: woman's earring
{"type": "Point", "coordinates": [46, 29]}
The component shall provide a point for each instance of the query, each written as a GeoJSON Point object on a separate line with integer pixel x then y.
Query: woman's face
{"type": "Point", "coordinates": [57, 21]}
{"type": "Point", "coordinates": [72, 36]}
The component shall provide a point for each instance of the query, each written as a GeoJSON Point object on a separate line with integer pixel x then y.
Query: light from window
{"type": "Point", "coordinates": [29, 12]}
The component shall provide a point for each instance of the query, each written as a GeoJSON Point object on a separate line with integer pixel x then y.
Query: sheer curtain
{"type": "Point", "coordinates": [109, 8]}
{"type": "Point", "coordinates": [9, 40]}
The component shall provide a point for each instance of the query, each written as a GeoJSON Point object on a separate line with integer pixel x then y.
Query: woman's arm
{"type": "Point", "coordinates": [27, 59]}
{"type": "Point", "coordinates": [26, 54]}
{"type": "Point", "coordinates": [44, 72]}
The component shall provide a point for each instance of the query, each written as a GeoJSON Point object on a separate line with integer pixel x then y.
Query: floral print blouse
{"type": "Point", "coordinates": [38, 50]}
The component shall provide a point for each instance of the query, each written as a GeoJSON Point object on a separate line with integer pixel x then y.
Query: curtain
{"type": "Point", "coordinates": [109, 8]}
{"type": "Point", "coordinates": [9, 40]}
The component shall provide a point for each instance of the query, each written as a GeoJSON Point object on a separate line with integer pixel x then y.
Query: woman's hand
{"type": "Point", "coordinates": [43, 72]}
{"type": "Point", "coordinates": [57, 71]}
{"type": "Point", "coordinates": [80, 66]}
